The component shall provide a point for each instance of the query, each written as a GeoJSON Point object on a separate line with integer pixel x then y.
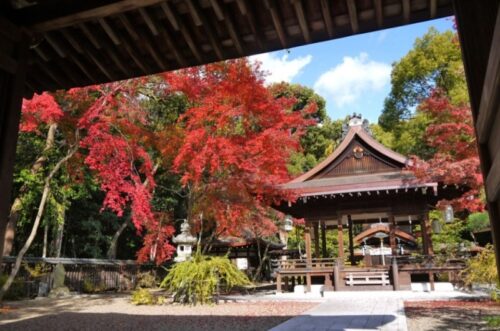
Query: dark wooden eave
{"type": "Point", "coordinates": [78, 43]}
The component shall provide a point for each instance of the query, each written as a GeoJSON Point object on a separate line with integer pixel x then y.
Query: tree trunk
{"type": "Point", "coordinates": [36, 224]}
{"type": "Point", "coordinates": [114, 242]}
{"type": "Point", "coordinates": [59, 234]}
{"type": "Point", "coordinates": [45, 240]}
{"type": "Point", "coordinates": [262, 260]}
{"type": "Point", "coordinates": [111, 254]}
{"type": "Point", "coordinates": [16, 207]}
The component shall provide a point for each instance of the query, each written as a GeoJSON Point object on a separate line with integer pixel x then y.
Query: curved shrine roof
{"type": "Point", "coordinates": [359, 164]}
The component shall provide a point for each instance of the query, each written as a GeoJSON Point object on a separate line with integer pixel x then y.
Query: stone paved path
{"type": "Point", "coordinates": [349, 311]}
{"type": "Point", "coordinates": [347, 314]}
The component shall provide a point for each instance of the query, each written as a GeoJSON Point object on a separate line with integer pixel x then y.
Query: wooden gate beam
{"type": "Point", "coordinates": [11, 96]}
{"type": "Point", "coordinates": [478, 24]}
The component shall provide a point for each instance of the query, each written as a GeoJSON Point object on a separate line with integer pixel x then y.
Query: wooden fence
{"type": "Point", "coordinates": [82, 275]}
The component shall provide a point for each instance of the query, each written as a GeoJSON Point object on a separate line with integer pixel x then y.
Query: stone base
{"type": "Point", "coordinates": [315, 289]}
{"type": "Point", "coordinates": [299, 289]}
{"type": "Point", "coordinates": [426, 287]}
{"type": "Point", "coordinates": [59, 292]}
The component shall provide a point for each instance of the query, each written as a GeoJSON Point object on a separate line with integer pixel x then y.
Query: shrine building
{"type": "Point", "coordinates": [369, 193]}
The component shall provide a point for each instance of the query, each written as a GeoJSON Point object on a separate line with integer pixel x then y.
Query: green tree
{"type": "Point", "coordinates": [434, 62]}
{"type": "Point", "coordinates": [477, 222]}
{"type": "Point", "coordinates": [320, 139]}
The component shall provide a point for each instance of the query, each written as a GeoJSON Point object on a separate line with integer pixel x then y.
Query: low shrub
{"type": "Point", "coordinates": [146, 279]}
{"type": "Point", "coordinates": [16, 291]}
{"type": "Point", "coordinates": [143, 296]}
{"type": "Point", "coordinates": [198, 280]}
{"type": "Point", "coordinates": [89, 287]}
{"type": "Point", "coordinates": [493, 321]}
{"type": "Point", "coordinates": [39, 270]}
{"type": "Point", "coordinates": [481, 269]}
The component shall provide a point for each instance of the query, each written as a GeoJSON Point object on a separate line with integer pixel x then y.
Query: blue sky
{"type": "Point", "coordinates": [352, 74]}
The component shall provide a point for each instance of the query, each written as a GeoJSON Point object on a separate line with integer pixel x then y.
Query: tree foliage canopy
{"type": "Point", "coordinates": [435, 62]}
{"type": "Point", "coordinates": [237, 140]}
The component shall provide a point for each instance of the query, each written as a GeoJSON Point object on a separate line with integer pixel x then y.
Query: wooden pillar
{"type": "Point", "coordinates": [323, 239]}
{"type": "Point", "coordinates": [351, 240]}
{"type": "Point", "coordinates": [307, 239]}
{"type": "Point", "coordinates": [395, 274]}
{"type": "Point", "coordinates": [392, 235]}
{"type": "Point", "coordinates": [478, 25]}
{"type": "Point", "coordinates": [340, 239]}
{"type": "Point", "coordinates": [278, 283]}
{"type": "Point", "coordinates": [328, 283]}
{"type": "Point", "coordinates": [316, 239]}
{"type": "Point", "coordinates": [431, 280]}
{"type": "Point", "coordinates": [12, 80]}
{"type": "Point", "coordinates": [426, 234]}
{"type": "Point", "coordinates": [336, 277]}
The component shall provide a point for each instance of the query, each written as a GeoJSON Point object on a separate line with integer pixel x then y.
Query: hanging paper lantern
{"type": "Point", "coordinates": [448, 214]}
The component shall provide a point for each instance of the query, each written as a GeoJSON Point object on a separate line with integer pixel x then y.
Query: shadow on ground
{"type": "Point", "coordinates": [113, 321]}
{"type": "Point", "coordinates": [336, 322]}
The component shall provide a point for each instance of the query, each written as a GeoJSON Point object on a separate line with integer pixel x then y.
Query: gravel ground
{"type": "Point", "coordinates": [450, 315]}
{"type": "Point", "coordinates": [114, 312]}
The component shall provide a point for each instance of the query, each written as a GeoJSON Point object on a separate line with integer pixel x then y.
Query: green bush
{"type": "Point", "coordinates": [493, 321]}
{"type": "Point", "coordinates": [143, 297]}
{"type": "Point", "coordinates": [478, 221]}
{"type": "Point", "coordinates": [482, 268]}
{"type": "Point", "coordinates": [16, 291]}
{"type": "Point", "coordinates": [89, 287]}
{"type": "Point", "coordinates": [198, 280]}
{"type": "Point", "coordinates": [146, 280]}
{"type": "Point", "coordinates": [39, 270]}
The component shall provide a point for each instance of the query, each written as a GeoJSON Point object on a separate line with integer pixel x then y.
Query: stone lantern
{"type": "Point", "coordinates": [185, 242]}
{"type": "Point", "coordinates": [285, 228]}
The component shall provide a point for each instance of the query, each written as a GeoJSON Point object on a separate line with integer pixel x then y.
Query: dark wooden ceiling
{"type": "Point", "coordinates": [78, 43]}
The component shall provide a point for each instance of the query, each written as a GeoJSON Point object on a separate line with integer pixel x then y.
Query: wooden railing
{"type": "Point", "coordinates": [316, 264]}
{"type": "Point", "coordinates": [367, 278]}
{"type": "Point", "coordinates": [429, 261]}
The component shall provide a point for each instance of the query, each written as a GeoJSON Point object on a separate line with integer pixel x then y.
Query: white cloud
{"type": "Point", "coordinates": [346, 82]}
{"type": "Point", "coordinates": [280, 69]}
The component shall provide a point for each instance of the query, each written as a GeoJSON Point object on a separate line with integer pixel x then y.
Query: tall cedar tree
{"type": "Point", "coordinates": [237, 141]}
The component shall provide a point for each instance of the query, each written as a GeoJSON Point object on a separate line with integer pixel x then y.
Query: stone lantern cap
{"type": "Point", "coordinates": [185, 236]}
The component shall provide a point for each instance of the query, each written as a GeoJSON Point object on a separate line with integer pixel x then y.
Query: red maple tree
{"type": "Point", "coordinates": [113, 143]}
{"type": "Point", "coordinates": [456, 161]}
{"type": "Point", "coordinates": [41, 109]}
{"type": "Point", "coordinates": [237, 141]}
{"type": "Point", "coordinates": [117, 151]}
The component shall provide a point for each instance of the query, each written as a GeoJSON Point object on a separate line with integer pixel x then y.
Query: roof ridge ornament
{"type": "Point", "coordinates": [356, 120]}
